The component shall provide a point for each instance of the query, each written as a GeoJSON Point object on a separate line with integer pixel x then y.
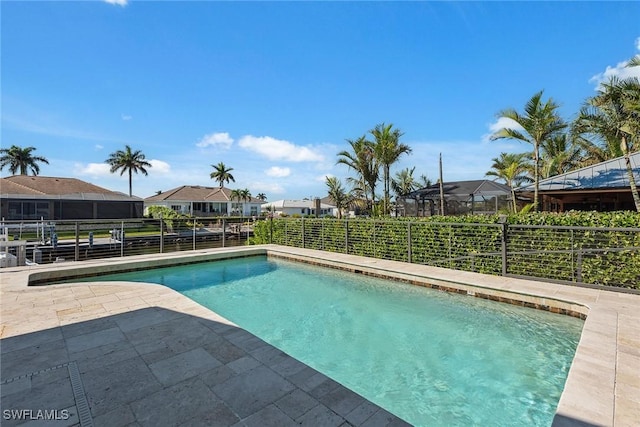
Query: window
{"type": "Point", "coordinates": [176, 208]}
{"type": "Point", "coordinates": [254, 210]}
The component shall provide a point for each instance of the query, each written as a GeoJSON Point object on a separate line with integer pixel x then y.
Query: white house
{"type": "Point", "coordinates": [299, 207]}
{"type": "Point", "coordinates": [201, 201]}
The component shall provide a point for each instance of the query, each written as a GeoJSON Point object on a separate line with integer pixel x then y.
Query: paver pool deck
{"type": "Point", "coordinates": [120, 353]}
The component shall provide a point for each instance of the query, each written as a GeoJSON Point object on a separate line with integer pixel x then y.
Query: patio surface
{"type": "Point", "coordinates": [122, 353]}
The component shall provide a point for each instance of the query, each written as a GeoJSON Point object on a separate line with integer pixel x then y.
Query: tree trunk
{"type": "Point", "coordinates": [632, 180]}
{"type": "Point", "coordinates": [130, 183]}
{"type": "Point", "coordinates": [536, 175]}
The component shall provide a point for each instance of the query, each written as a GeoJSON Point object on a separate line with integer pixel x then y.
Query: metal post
{"type": "Point", "coordinates": [504, 247]}
{"type": "Point", "coordinates": [224, 228]}
{"type": "Point", "coordinates": [322, 234]}
{"type": "Point", "coordinates": [346, 236]}
{"type": "Point", "coordinates": [161, 234]}
{"type": "Point", "coordinates": [270, 229]}
{"type": "Point", "coordinates": [579, 275]}
{"type": "Point", "coordinates": [122, 239]}
{"type": "Point", "coordinates": [194, 233]}
{"type": "Point", "coordinates": [77, 251]}
{"type": "Point", "coordinates": [303, 242]}
{"type": "Point", "coordinates": [409, 242]}
{"type": "Point", "coordinates": [573, 269]}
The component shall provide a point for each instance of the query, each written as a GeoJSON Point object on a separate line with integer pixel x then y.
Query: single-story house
{"type": "Point", "coordinates": [24, 197]}
{"type": "Point", "coordinates": [601, 187]}
{"type": "Point", "coordinates": [202, 201]}
{"type": "Point", "coordinates": [460, 197]}
{"type": "Point", "coordinates": [299, 207]}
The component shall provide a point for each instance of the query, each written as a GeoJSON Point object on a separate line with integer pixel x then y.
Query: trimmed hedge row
{"type": "Point", "coordinates": [581, 247]}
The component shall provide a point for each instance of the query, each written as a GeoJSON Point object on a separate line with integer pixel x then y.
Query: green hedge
{"type": "Point", "coordinates": [587, 247]}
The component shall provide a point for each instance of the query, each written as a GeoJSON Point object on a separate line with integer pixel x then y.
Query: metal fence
{"type": "Point", "coordinates": [575, 255]}
{"type": "Point", "coordinates": [43, 242]}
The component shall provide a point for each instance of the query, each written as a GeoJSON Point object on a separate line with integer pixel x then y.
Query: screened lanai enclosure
{"type": "Point", "coordinates": [460, 197]}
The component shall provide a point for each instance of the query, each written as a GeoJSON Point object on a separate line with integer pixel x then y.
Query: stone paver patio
{"type": "Point", "coordinates": [116, 353]}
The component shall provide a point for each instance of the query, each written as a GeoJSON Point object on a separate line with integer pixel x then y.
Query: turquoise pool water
{"type": "Point", "coordinates": [430, 357]}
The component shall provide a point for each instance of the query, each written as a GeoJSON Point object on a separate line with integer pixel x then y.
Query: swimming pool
{"type": "Point", "coordinates": [430, 357]}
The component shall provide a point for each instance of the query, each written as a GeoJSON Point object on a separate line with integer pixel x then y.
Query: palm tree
{"type": "Point", "coordinates": [363, 161]}
{"type": "Point", "coordinates": [387, 149]}
{"type": "Point", "coordinates": [540, 122]}
{"type": "Point", "coordinates": [611, 115]}
{"type": "Point", "coordinates": [424, 181]}
{"type": "Point", "coordinates": [262, 197]}
{"type": "Point", "coordinates": [236, 195]}
{"type": "Point", "coordinates": [560, 154]}
{"type": "Point", "coordinates": [404, 182]}
{"type": "Point", "coordinates": [128, 161]}
{"type": "Point", "coordinates": [222, 174]}
{"type": "Point", "coordinates": [21, 160]}
{"type": "Point", "coordinates": [512, 169]}
{"type": "Point", "coordinates": [338, 194]}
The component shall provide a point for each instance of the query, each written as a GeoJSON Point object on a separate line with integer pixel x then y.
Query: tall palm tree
{"type": "Point", "coordinates": [539, 122]}
{"type": "Point", "coordinates": [512, 169]}
{"type": "Point", "coordinates": [363, 161]}
{"type": "Point", "coordinates": [338, 194]}
{"type": "Point", "coordinates": [387, 149]}
{"type": "Point", "coordinates": [262, 197]}
{"type": "Point", "coordinates": [222, 174]}
{"type": "Point", "coordinates": [21, 160]}
{"type": "Point", "coordinates": [611, 115]}
{"type": "Point", "coordinates": [128, 161]}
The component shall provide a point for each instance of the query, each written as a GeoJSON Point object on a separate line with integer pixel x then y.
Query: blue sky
{"type": "Point", "coordinates": [273, 89]}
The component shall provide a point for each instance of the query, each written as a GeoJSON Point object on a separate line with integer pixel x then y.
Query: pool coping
{"type": "Point", "coordinates": [603, 385]}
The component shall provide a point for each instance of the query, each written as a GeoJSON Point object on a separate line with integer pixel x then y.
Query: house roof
{"type": "Point", "coordinates": [610, 174]}
{"type": "Point", "coordinates": [196, 193]}
{"type": "Point", "coordinates": [46, 187]}
{"type": "Point", "coordinates": [295, 204]}
{"type": "Point", "coordinates": [462, 190]}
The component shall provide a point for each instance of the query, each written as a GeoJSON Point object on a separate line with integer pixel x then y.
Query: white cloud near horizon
{"type": "Point", "coordinates": [122, 3]}
{"type": "Point", "coordinates": [278, 172]}
{"type": "Point", "coordinates": [620, 71]}
{"type": "Point", "coordinates": [278, 149]}
{"type": "Point", "coordinates": [159, 166]}
{"type": "Point", "coordinates": [126, 117]}
{"type": "Point", "coordinates": [218, 139]}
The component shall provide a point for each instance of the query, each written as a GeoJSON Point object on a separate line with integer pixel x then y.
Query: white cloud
{"type": "Point", "coordinates": [278, 172]}
{"type": "Point", "coordinates": [159, 166]}
{"type": "Point", "coordinates": [277, 149]}
{"type": "Point", "coordinates": [126, 117]}
{"type": "Point", "coordinates": [218, 139]}
{"type": "Point", "coordinates": [98, 147]}
{"type": "Point", "coordinates": [122, 3]}
{"type": "Point", "coordinates": [268, 188]}
{"type": "Point", "coordinates": [93, 169]}
{"type": "Point", "coordinates": [501, 123]}
{"type": "Point", "coordinates": [323, 178]}
{"type": "Point", "coordinates": [620, 71]}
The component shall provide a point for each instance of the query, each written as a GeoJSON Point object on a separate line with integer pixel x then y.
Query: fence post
{"type": "Point", "coordinates": [161, 234]}
{"type": "Point", "coordinates": [573, 268]}
{"type": "Point", "coordinates": [322, 234]}
{"type": "Point", "coordinates": [224, 231]}
{"type": "Point", "coordinates": [77, 251]}
{"type": "Point", "coordinates": [122, 238]}
{"type": "Point", "coordinates": [194, 233]}
{"type": "Point", "coordinates": [409, 242]}
{"type": "Point", "coordinates": [270, 229]}
{"type": "Point", "coordinates": [303, 242]}
{"type": "Point", "coordinates": [505, 227]}
{"type": "Point", "coordinates": [346, 236]}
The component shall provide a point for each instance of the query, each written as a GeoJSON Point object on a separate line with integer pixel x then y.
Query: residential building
{"type": "Point", "coordinates": [24, 197]}
{"type": "Point", "coordinates": [601, 187]}
{"type": "Point", "coordinates": [299, 207]}
{"type": "Point", "coordinates": [202, 201]}
{"type": "Point", "coordinates": [480, 196]}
